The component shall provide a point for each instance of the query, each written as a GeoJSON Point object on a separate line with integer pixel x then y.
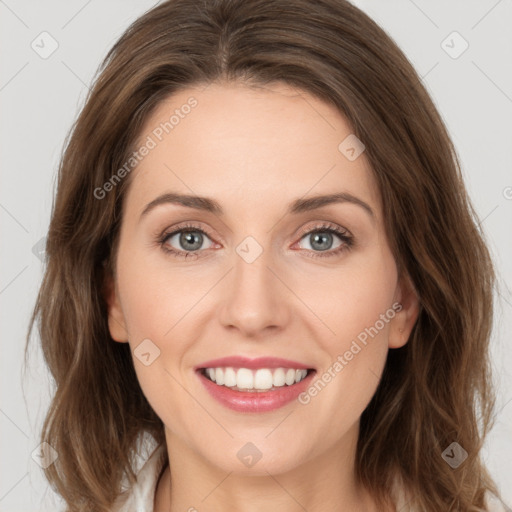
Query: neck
{"type": "Point", "coordinates": [324, 482]}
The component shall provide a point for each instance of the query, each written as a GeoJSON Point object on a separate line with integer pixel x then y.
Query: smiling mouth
{"type": "Point", "coordinates": [255, 380]}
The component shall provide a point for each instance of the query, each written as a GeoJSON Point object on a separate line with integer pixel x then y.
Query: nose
{"type": "Point", "coordinates": [256, 301]}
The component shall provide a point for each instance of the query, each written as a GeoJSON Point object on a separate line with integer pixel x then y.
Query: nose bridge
{"type": "Point", "coordinates": [255, 298]}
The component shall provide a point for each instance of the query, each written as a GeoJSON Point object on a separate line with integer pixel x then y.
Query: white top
{"type": "Point", "coordinates": [142, 495]}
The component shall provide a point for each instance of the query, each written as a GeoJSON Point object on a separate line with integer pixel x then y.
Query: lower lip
{"type": "Point", "coordinates": [255, 401]}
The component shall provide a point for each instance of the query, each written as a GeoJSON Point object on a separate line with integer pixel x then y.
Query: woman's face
{"type": "Point", "coordinates": [251, 280]}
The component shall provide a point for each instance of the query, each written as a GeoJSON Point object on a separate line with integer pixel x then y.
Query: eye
{"type": "Point", "coordinates": [322, 238]}
{"type": "Point", "coordinates": [185, 241]}
{"type": "Point", "coordinates": [188, 241]}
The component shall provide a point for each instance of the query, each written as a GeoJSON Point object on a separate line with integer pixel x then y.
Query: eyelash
{"type": "Point", "coordinates": [348, 240]}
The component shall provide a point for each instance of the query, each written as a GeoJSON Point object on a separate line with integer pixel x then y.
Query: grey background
{"type": "Point", "coordinates": [41, 97]}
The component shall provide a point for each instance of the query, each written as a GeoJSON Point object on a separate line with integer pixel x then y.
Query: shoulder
{"type": "Point", "coordinates": [140, 497]}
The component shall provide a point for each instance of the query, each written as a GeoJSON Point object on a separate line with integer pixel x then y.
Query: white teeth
{"type": "Point", "coordinates": [229, 377]}
{"type": "Point", "coordinates": [278, 379]}
{"type": "Point", "coordinates": [261, 379]}
{"type": "Point", "coordinates": [219, 376]}
{"type": "Point", "coordinates": [290, 377]}
{"type": "Point", "coordinates": [244, 378]}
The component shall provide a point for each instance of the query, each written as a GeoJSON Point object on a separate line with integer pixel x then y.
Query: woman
{"type": "Point", "coordinates": [262, 255]}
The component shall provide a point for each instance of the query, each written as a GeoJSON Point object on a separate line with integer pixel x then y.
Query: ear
{"type": "Point", "coordinates": [406, 314]}
{"type": "Point", "coordinates": [116, 322]}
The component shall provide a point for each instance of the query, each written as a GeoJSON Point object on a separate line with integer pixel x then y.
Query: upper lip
{"type": "Point", "coordinates": [255, 363]}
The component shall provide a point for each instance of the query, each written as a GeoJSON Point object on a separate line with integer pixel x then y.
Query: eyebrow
{"type": "Point", "coordinates": [298, 206]}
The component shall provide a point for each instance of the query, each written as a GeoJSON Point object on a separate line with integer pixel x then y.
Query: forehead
{"type": "Point", "coordinates": [255, 145]}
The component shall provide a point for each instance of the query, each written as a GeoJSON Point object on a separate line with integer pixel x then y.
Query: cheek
{"type": "Point", "coordinates": [157, 306]}
{"type": "Point", "coordinates": [152, 309]}
{"type": "Point", "coordinates": [345, 385]}
{"type": "Point", "coordinates": [152, 298]}
{"type": "Point", "coordinates": [352, 299]}
{"type": "Point", "coordinates": [356, 304]}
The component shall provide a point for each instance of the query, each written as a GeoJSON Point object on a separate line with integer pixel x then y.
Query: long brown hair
{"type": "Point", "coordinates": [434, 391]}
